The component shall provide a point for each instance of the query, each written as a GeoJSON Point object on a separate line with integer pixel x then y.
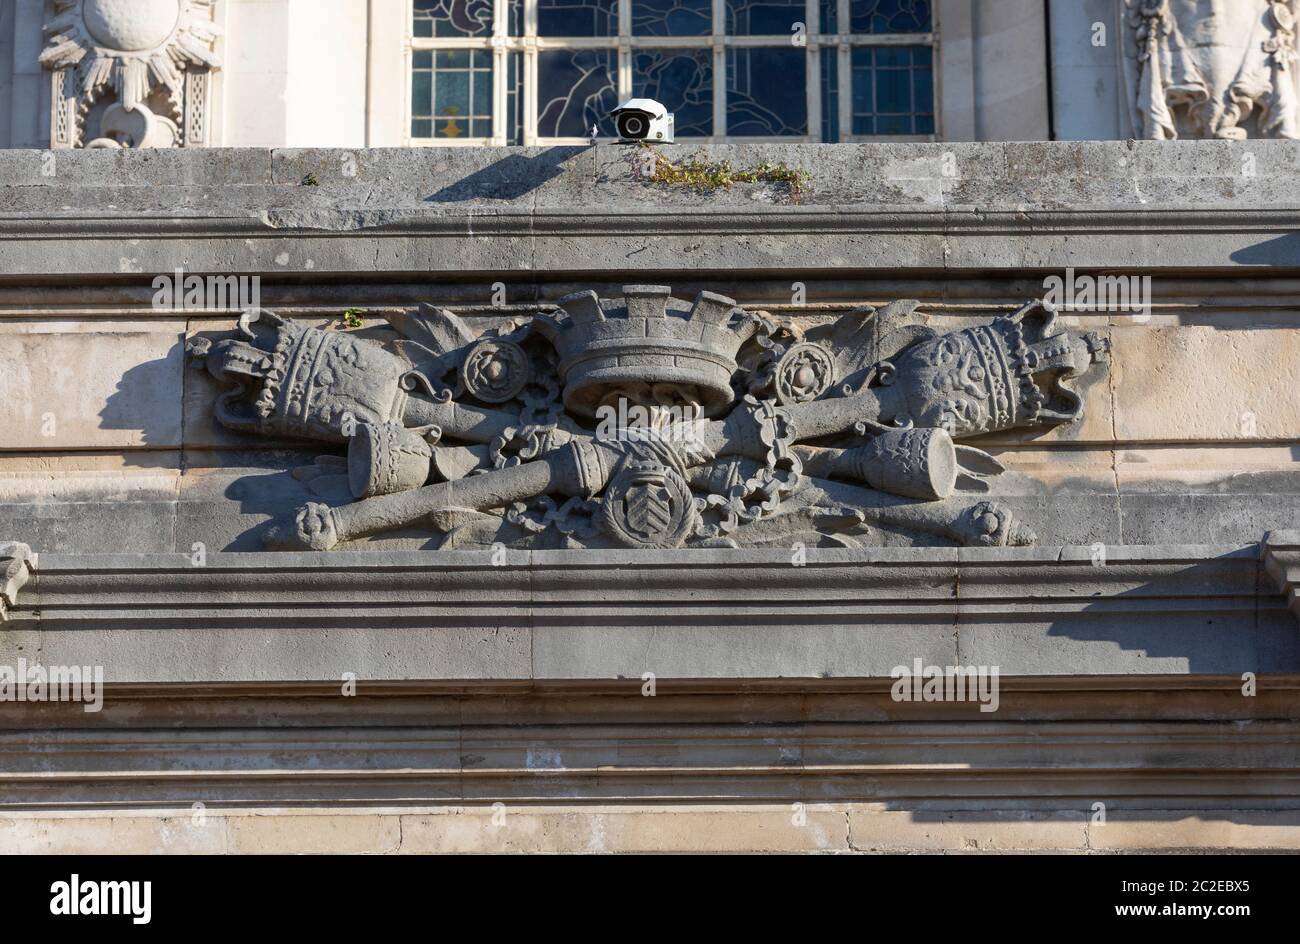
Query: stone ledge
{"type": "Point", "coordinates": [1014, 207]}
{"type": "Point", "coordinates": [746, 614]}
{"type": "Point", "coordinates": [832, 828]}
{"type": "Point", "coordinates": [1148, 744]}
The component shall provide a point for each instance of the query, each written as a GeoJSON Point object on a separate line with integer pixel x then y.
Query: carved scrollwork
{"type": "Point", "coordinates": [730, 430]}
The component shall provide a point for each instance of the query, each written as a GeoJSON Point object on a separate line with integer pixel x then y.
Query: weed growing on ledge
{"type": "Point", "coordinates": [352, 318]}
{"type": "Point", "coordinates": [708, 176]}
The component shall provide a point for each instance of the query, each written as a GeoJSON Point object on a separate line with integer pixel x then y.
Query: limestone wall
{"type": "Point", "coordinates": [1124, 676]}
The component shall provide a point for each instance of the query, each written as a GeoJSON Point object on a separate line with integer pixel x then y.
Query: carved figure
{"type": "Point", "coordinates": [1211, 68]}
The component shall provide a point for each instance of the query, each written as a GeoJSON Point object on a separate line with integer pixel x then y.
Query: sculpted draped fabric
{"type": "Point", "coordinates": [1211, 68]}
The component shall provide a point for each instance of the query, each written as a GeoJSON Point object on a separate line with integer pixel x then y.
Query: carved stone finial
{"type": "Point", "coordinates": [1222, 70]}
{"type": "Point", "coordinates": [17, 564]}
{"type": "Point", "coordinates": [130, 73]}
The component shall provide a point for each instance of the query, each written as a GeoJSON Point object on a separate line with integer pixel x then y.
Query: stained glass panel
{"type": "Point", "coordinates": [764, 17]}
{"type": "Point", "coordinates": [893, 90]}
{"type": "Point", "coordinates": [890, 16]}
{"type": "Point", "coordinates": [830, 10]}
{"type": "Point", "coordinates": [452, 18]}
{"type": "Point", "coordinates": [576, 89]}
{"type": "Point", "coordinates": [577, 17]}
{"type": "Point", "coordinates": [763, 91]}
{"type": "Point", "coordinates": [672, 17]}
{"type": "Point", "coordinates": [682, 79]}
{"type": "Point", "coordinates": [767, 92]}
{"type": "Point", "coordinates": [451, 93]}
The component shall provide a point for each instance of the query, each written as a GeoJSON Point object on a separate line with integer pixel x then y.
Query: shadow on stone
{"type": "Point", "coordinates": [509, 178]}
{"type": "Point", "coordinates": [145, 400]}
{"type": "Point", "coordinates": [1283, 251]}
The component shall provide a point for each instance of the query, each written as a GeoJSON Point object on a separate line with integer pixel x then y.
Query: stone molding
{"type": "Point", "coordinates": [1010, 208]}
{"type": "Point", "coordinates": [743, 614]}
{"type": "Point", "coordinates": [1142, 744]}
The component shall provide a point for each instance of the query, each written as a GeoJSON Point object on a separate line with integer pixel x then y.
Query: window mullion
{"type": "Point", "coordinates": [529, 66]}
{"type": "Point", "coordinates": [844, 63]}
{"type": "Point", "coordinates": [719, 69]}
{"type": "Point", "coordinates": [813, 69]}
{"type": "Point", "coordinates": [500, 118]}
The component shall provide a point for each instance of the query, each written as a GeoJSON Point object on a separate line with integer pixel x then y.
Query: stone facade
{"type": "Point", "coordinates": [362, 571]}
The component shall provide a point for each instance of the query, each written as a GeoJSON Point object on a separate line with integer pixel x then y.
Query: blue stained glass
{"type": "Point", "coordinates": [830, 10]}
{"type": "Point", "coordinates": [765, 17]}
{"type": "Point", "coordinates": [890, 16]}
{"type": "Point", "coordinates": [451, 94]}
{"type": "Point", "coordinates": [576, 89]}
{"type": "Point", "coordinates": [863, 78]}
{"type": "Point", "coordinates": [893, 90]}
{"type": "Point", "coordinates": [422, 94]}
{"type": "Point", "coordinates": [672, 17]}
{"type": "Point", "coordinates": [682, 79]}
{"type": "Point", "coordinates": [766, 92]}
{"type": "Point", "coordinates": [452, 18]}
{"type": "Point", "coordinates": [577, 17]}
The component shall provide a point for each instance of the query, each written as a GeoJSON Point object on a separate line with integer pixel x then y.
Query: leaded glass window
{"type": "Point", "coordinates": [551, 71]}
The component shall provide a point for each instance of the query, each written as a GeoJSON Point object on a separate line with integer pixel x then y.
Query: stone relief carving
{"type": "Point", "coordinates": [1211, 68]}
{"type": "Point", "coordinates": [130, 73]}
{"type": "Point", "coordinates": [17, 564]}
{"type": "Point", "coordinates": [650, 422]}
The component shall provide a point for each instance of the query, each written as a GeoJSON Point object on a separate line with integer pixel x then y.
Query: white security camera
{"type": "Point", "coordinates": [644, 119]}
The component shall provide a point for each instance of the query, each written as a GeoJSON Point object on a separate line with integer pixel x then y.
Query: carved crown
{"type": "Point", "coordinates": [650, 337]}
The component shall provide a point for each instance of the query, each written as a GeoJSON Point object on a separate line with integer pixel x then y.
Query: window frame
{"type": "Point", "coordinates": [530, 44]}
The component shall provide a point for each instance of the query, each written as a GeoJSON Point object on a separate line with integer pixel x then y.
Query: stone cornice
{"type": "Point", "coordinates": [747, 614]}
{"type": "Point", "coordinates": [1059, 743]}
{"type": "Point", "coordinates": [989, 207]}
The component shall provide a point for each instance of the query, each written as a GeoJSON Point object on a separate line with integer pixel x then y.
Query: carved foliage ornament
{"type": "Point", "coordinates": [130, 73]}
{"type": "Point", "coordinates": [1211, 68]}
{"type": "Point", "coordinates": [650, 422]}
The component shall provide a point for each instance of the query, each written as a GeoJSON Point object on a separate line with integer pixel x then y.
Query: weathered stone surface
{"type": "Point", "coordinates": [83, 390]}
{"type": "Point", "coordinates": [1196, 383]}
{"type": "Point", "coordinates": [601, 615]}
{"type": "Point", "coordinates": [931, 206]}
{"type": "Point", "coordinates": [520, 681]}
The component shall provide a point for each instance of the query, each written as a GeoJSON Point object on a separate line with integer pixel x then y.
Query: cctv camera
{"type": "Point", "coordinates": [644, 119]}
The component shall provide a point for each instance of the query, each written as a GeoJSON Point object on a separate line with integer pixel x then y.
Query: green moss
{"type": "Point", "coordinates": [708, 176]}
{"type": "Point", "coordinates": [311, 180]}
